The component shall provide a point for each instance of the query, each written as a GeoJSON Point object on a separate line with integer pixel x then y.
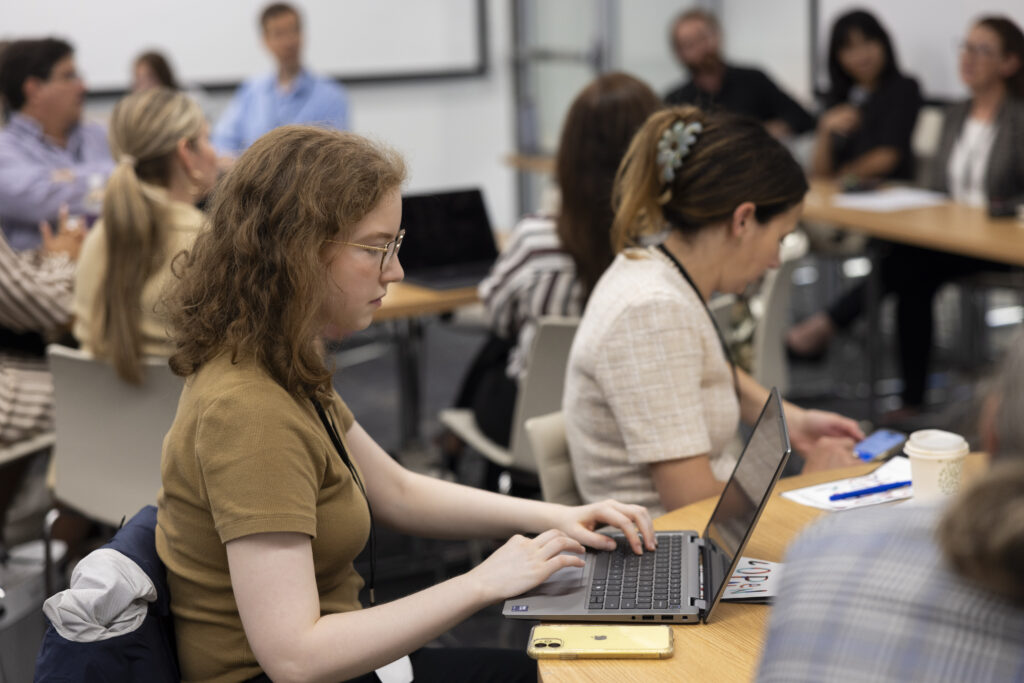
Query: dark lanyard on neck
{"type": "Point", "coordinates": [332, 432]}
{"type": "Point", "coordinates": [721, 337]}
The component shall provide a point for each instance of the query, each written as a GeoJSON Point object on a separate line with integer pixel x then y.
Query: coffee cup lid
{"type": "Point", "coordinates": [936, 442]}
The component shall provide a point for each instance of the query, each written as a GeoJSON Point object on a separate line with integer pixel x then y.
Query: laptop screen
{"type": "Point", "coordinates": [446, 229]}
{"type": "Point", "coordinates": [745, 495]}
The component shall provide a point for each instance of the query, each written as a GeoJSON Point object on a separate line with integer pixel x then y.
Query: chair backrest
{"type": "Point", "coordinates": [29, 446]}
{"type": "Point", "coordinates": [540, 390]}
{"type": "Point", "coordinates": [770, 367]}
{"type": "Point", "coordinates": [109, 433]}
{"type": "Point", "coordinates": [554, 468]}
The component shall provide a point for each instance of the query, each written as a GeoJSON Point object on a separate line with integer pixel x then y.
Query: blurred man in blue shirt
{"type": "Point", "coordinates": [49, 157]}
{"type": "Point", "coordinates": [291, 95]}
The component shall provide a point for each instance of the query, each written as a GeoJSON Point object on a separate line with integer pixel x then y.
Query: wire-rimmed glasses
{"type": "Point", "coordinates": [387, 252]}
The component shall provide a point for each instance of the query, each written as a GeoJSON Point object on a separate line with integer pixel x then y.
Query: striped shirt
{"type": "Point", "coordinates": [868, 596]}
{"type": "Point", "coordinates": [35, 296]}
{"type": "Point", "coordinates": [533, 277]}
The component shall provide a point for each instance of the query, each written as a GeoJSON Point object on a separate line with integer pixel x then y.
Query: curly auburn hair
{"type": "Point", "coordinates": [254, 282]}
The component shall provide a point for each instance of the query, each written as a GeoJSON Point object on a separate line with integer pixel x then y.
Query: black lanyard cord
{"type": "Point", "coordinates": [332, 432]}
{"type": "Point", "coordinates": [721, 337]}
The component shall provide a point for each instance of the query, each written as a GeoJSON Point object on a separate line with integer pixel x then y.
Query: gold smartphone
{"type": "Point", "coordinates": [600, 641]}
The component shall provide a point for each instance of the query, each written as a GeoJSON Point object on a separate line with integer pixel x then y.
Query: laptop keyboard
{"type": "Point", "coordinates": [623, 580]}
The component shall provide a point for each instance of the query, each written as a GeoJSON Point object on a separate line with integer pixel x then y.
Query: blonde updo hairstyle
{"type": "Point", "coordinates": [145, 130]}
{"type": "Point", "coordinates": [732, 160]}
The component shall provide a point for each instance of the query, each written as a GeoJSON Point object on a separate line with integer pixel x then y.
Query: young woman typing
{"type": "Point", "coordinates": [270, 486]}
{"type": "Point", "coordinates": [651, 396]}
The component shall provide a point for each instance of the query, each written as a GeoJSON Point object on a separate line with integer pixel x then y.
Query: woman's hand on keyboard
{"type": "Point", "coordinates": [633, 520]}
{"type": "Point", "coordinates": [523, 563]}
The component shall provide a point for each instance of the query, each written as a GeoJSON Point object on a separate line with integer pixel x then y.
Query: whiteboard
{"type": "Point", "coordinates": [218, 42]}
{"type": "Point", "coordinates": [926, 35]}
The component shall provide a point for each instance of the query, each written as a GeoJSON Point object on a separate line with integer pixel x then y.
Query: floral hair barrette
{"type": "Point", "coordinates": [675, 144]}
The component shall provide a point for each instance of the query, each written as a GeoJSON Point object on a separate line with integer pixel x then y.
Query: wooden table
{"type": "Point", "coordinates": [532, 163]}
{"type": "Point", "coordinates": [405, 300]}
{"type": "Point", "coordinates": [951, 227]}
{"type": "Point", "coordinates": [404, 306]}
{"type": "Point", "coordinates": [727, 648]}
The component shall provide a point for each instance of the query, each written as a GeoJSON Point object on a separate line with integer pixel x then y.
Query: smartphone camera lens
{"type": "Point", "coordinates": [540, 644]}
{"type": "Point", "coordinates": [556, 645]}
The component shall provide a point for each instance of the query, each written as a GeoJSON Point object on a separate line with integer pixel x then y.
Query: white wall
{"type": "Point", "coordinates": [643, 41]}
{"type": "Point", "coordinates": [350, 38]}
{"type": "Point", "coordinates": [927, 50]}
{"type": "Point", "coordinates": [453, 133]}
{"type": "Point", "coordinates": [774, 37]}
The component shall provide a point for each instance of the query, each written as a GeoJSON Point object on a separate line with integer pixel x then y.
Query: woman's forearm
{"type": "Point", "coordinates": [821, 157]}
{"type": "Point", "coordinates": [752, 397]}
{"type": "Point", "coordinates": [440, 509]}
{"type": "Point", "coordinates": [878, 163]}
{"type": "Point", "coordinates": [426, 506]}
{"type": "Point", "coordinates": [341, 646]}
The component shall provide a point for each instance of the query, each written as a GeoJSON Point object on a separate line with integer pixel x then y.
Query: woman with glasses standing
{"type": "Point", "coordinates": [270, 486]}
{"type": "Point", "coordinates": [165, 163]}
{"type": "Point", "coordinates": [980, 162]}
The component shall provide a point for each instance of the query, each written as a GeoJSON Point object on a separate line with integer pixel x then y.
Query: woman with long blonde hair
{"type": "Point", "coordinates": [165, 163]}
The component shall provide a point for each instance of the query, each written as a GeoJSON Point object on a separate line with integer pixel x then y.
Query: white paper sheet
{"type": "Point", "coordinates": [889, 199]}
{"type": "Point", "coordinates": [897, 469]}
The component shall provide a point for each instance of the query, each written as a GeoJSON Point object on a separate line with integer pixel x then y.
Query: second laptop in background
{"type": "Point", "coordinates": [449, 242]}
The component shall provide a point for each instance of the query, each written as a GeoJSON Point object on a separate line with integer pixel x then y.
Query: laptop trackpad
{"type": "Point", "coordinates": [564, 581]}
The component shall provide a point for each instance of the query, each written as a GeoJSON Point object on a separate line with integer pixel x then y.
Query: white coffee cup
{"type": "Point", "coordinates": [936, 463]}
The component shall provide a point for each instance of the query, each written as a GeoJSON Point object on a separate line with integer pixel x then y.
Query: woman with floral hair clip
{"type": "Point", "coordinates": [652, 396]}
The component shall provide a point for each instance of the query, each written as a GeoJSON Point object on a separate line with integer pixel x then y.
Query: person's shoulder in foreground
{"type": "Point", "coordinates": [868, 596]}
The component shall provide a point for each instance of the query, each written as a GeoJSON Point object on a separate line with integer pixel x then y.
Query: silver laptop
{"type": "Point", "coordinates": [684, 579]}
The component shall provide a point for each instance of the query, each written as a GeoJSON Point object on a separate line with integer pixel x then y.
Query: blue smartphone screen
{"type": "Point", "coordinates": [878, 443]}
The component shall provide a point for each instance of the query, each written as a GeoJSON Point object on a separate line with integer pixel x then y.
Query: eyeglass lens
{"type": "Point", "coordinates": [392, 249]}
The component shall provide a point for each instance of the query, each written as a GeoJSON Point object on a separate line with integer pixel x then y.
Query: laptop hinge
{"type": "Point", "coordinates": [698, 540]}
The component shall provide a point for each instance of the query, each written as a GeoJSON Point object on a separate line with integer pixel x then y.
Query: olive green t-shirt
{"type": "Point", "coordinates": [246, 457]}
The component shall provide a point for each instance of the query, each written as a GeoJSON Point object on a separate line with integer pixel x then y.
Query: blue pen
{"type": "Point", "coordinates": [868, 491]}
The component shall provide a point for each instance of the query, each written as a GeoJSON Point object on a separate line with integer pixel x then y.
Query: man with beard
{"type": "Point", "coordinates": [696, 40]}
